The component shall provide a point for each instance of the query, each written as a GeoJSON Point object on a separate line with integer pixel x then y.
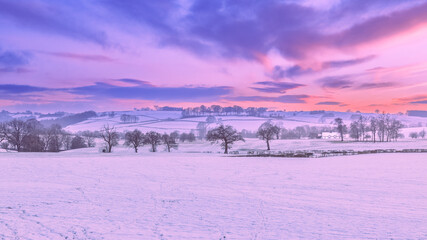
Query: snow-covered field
{"type": "Point", "coordinates": [84, 194]}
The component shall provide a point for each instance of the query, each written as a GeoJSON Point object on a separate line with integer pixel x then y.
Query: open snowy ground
{"type": "Point", "coordinates": [84, 194]}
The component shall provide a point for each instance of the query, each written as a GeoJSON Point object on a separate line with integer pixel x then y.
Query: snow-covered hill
{"type": "Point", "coordinates": [169, 121]}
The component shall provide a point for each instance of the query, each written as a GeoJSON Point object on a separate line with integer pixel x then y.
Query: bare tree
{"type": "Point", "coordinates": [66, 139]}
{"type": "Point", "coordinates": [15, 131]}
{"type": "Point", "coordinates": [78, 142]}
{"type": "Point", "coordinates": [183, 137]}
{"type": "Point", "coordinates": [32, 141]}
{"type": "Point", "coordinates": [154, 139]}
{"type": "Point", "coordinates": [169, 141]}
{"type": "Point", "coordinates": [413, 135]}
{"type": "Point", "coordinates": [355, 131]}
{"type": "Point", "coordinates": [89, 138]}
{"type": "Point", "coordinates": [267, 131]}
{"type": "Point", "coordinates": [422, 134]}
{"type": "Point", "coordinates": [341, 127]}
{"type": "Point", "coordinates": [110, 137]}
{"type": "Point", "coordinates": [202, 129]}
{"type": "Point", "coordinates": [227, 135]}
{"type": "Point", "coordinates": [134, 139]}
{"type": "Point", "coordinates": [174, 135]}
{"type": "Point", "coordinates": [374, 128]}
{"type": "Point", "coordinates": [395, 127]}
{"type": "Point", "coordinates": [2, 132]}
{"type": "Point", "coordinates": [52, 138]}
{"type": "Point", "coordinates": [191, 137]}
{"type": "Point", "coordinates": [363, 126]}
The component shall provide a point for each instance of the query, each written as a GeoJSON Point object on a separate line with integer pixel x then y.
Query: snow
{"type": "Point", "coordinates": [84, 194]}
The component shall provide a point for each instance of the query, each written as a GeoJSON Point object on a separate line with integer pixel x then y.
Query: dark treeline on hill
{"type": "Point", "coordinates": [71, 119]}
{"type": "Point", "coordinates": [32, 136]}
{"type": "Point", "coordinates": [219, 111]}
{"type": "Point", "coordinates": [416, 113]}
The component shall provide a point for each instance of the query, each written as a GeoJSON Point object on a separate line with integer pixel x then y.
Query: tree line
{"type": "Point", "coordinates": [218, 110]}
{"type": "Point", "coordinates": [136, 139]}
{"type": "Point", "coordinates": [379, 128]}
{"type": "Point", "coordinates": [420, 134]}
{"type": "Point", "coordinates": [32, 136]}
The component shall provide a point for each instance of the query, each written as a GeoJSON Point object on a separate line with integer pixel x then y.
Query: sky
{"type": "Point", "coordinates": [296, 55]}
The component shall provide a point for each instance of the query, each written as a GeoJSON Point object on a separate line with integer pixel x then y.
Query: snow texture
{"type": "Point", "coordinates": [84, 194]}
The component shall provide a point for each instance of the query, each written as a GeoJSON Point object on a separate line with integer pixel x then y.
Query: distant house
{"type": "Point", "coordinates": [330, 135]}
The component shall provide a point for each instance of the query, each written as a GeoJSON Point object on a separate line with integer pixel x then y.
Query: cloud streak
{"type": "Point", "coordinates": [336, 82]}
{"type": "Point", "coordinates": [80, 57]}
{"type": "Point", "coordinates": [419, 102]}
{"type": "Point", "coordinates": [377, 85]}
{"type": "Point", "coordinates": [281, 99]}
{"type": "Point", "coordinates": [142, 91]}
{"type": "Point", "coordinates": [329, 103]}
{"type": "Point", "coordinates": [276, 87]}
{"type": "Point", "coordinates": [297, 70]}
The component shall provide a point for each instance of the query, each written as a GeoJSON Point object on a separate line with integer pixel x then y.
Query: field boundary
{"type": "Point", "coordinates": [321, 153]}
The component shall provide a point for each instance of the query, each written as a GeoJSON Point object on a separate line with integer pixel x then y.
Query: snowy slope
{"type": "Point", "coordinates": [83, 194]}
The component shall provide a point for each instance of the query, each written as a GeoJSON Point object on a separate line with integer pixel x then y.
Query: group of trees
{"type": "Point", "coordinates": [218, 110]}
{"type": "Point", "coordinates": [227, 135]}
{"type": "Point", "coordinates": [32, 136]}
{"type": "Point", "coordinates": [421, 134]}
{"type": "Point", "coordinates": [136, 139]}
{"type": "Point", "coordinates": [126, 118]}
{"type": "Point", "coordinates": [379, 128]}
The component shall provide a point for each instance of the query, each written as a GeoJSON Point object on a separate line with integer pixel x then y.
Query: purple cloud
{"type": "Point", "coordinates": [80, 57]}
{"type": "Point", "coordinates": [336, 82]}
{"type": "Point", "coordinates": [419, 102]}
{"type": "Point", "coordinates": [329, 103]}
{"type": "Point", "coordinates": [245, 29]}
{"type": "Point", "coordinates": [377, 85]}
{"type": "Point", "coordinates": [281, 99]}
{"type": "Point", "coordinates": [276, 87]}
{"type": "Point", "coordinates": [143, 91]}
{"type": "Point", "coordinates": [296, 70]}
{"type": "Point", "coordinates": [18, 89]}
{"type": "Point", "coordinates": [381, 26]}
{"type": "Point", "coordinates": [14, 61]}
{"type": "Point", "coordinates": [51, 17]}
{"type": "Point", "coordinates": [135, 82]}
{"type": "Point", "coordinates": [235, 29]}
{"type": "Point", "coordinates": [345, 63]}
